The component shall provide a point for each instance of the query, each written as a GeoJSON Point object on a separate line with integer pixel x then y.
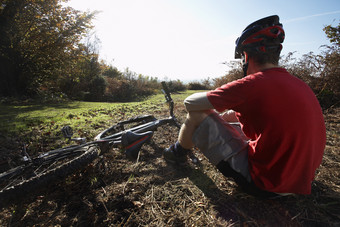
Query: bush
{"type": "Point", "coordinates": [327, 99]}
{"type": "Point", "coordinates": [97, 89]}
{"type": "Point", "coordinates": [197, 86]}
{"type": "Point", "coordinates": [123, 90]}
{"type": "Point", "coordinates": [118, 90]}
{"type": "Point", "coordinates": [175, 85]}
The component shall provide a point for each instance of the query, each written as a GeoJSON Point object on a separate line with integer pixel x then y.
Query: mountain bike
{"type": "Point", "coordinates": [47, 168]}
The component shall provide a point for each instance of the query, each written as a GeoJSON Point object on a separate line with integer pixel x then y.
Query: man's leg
{"type": "Point", "coordinates": [229, 155]}
{"type": "Point", "coordinates": [177, 153]}
{"type": "Point", "coordinates": [193, 120]}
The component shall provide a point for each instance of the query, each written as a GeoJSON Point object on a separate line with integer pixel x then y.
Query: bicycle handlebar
{"type": "Point", "coordinates": [168, 98]}
{"type": "Point", "coordinates": [166, 91]}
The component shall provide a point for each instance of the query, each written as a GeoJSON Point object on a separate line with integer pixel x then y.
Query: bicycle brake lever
{"type": "Point", "coordinates": [79, 140]}
{"type": "Point", "coordinates": [26, 157]}
{"type": "Point", "coordinates": [68, 133]}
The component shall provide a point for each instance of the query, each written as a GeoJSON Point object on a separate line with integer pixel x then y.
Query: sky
{"type": "Point", "coordinates": [190, 39]}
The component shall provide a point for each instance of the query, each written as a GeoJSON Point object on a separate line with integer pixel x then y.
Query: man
{"type": "Point", "coordinates": [283, 133]}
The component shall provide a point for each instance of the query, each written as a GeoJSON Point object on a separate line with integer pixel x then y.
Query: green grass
{"type": "Point", "coordinates": [18, 118]}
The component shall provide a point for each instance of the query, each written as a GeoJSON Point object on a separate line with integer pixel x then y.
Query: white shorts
{"type": "Point", "coordinates": [218, 140]}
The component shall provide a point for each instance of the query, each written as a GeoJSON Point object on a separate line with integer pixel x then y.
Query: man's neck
{"type": "Point", "coordinates": [254, 68]}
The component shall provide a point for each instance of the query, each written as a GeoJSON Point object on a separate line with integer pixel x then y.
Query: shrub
{"type": "Point", "coordinates": [176, 85]}
{"type": "Point", "coordinates": [197, 86]}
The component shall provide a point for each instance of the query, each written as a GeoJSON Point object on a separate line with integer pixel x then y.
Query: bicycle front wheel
{"type": "Point", "coordinates": [21, 181]}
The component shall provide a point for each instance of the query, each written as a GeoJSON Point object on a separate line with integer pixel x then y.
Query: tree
{"type": "Point", "coordinates": [333, 33]}
{"type": "Point", "coordinates": [110, 71]}
{"type": "Point", "coordinates": [38, 43]}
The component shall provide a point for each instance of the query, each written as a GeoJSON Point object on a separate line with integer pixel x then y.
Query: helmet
{"type": "Point", "coordinates": [263, 35]}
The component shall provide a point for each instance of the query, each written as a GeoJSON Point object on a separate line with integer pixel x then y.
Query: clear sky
{"type": "Point", "coordinates": [189, 39]}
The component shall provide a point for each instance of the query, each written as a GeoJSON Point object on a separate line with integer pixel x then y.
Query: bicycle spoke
{"type": "Point", "coordinates": [12, 181]}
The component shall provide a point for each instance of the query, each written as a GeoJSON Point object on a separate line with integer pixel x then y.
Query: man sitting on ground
{"type": "Point", "coordinates": [282, 137]}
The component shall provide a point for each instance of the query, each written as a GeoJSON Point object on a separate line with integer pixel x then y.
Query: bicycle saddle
{"type": "Point", "coordinates": [132, 142]}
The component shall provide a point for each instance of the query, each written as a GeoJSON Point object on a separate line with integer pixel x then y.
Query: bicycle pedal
{"type": "Point", "coordinates": [67, 131]}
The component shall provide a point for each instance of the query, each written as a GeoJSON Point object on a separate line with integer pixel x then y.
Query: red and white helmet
{"type": "Point", "coordinates": [264, 35]}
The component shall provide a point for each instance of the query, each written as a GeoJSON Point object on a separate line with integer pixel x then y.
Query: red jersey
{"type": "Point", "coordinates": [283, 119]}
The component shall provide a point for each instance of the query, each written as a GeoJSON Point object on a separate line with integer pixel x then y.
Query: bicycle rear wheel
{"type": "Point", "coordinates": [25, 180]}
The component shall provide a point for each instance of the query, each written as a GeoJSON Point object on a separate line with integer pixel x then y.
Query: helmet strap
{"type": "Point", "coordinates": [244, 65]}
{"type": "Point", "coordinates": [245, 69]}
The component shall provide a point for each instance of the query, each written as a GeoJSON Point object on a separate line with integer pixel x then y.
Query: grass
{"type": "Point", "coordinates": [39, 124]}
{"type": "Point", "coordinates": [19, 118]}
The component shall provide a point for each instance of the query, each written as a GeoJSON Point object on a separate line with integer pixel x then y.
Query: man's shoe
{"type": "Point", "coordinates": [170, 155]}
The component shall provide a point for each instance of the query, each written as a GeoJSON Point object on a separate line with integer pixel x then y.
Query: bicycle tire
{"type": "Point", "coordinates": [32, 185]}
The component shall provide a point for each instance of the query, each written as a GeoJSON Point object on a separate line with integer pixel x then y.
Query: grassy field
{"type": "Point", "coordinates": [86, 118]}
{"type": "Point", "coordinates": [115, 191]}
{"type": "Point", "coordinates": [16, 118]}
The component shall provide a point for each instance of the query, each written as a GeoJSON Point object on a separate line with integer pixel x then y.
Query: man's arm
{"type": "Point", "coordinates": [198, 102]}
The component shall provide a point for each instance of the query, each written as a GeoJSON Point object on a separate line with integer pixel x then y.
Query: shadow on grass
{"type": "Point", "coordinates": [11, 111]}
{"type": "Point", "coordinates": [16, 116]}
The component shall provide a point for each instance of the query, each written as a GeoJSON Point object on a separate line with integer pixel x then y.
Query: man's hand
{"type": "Point", "coordinates": [229, 116]}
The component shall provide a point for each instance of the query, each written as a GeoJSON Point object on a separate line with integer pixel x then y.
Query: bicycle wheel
{"type": "Point", "coordinates": [25, 180]}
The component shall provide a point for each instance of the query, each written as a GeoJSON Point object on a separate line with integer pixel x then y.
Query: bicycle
{"type": "Point", "coordinates": [46, 168]}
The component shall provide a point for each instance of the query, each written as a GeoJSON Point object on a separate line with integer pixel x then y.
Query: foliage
{"type": "Point", "coordinates": [236, 72]}
{"type": "Point", "coordinates": [197, 86]}
{"type": "Point", "coordinates": [97, 87]}
{"type": "Point", "coordinates": [205, 84]}
{"type": "Point", "coordinates": [84, 79]}
{"type": "Point", "coordinates": [176, 85]}
{"type": "Point", "coordinates": [333, 33]}
{"type": "Point", "coordinates": [128, 86]}
{"type": "Point", "coordinates": [46, 51]}
{"type": "Point", "coordinates": [38, 43]}
{"type": "Point", "coordinates": [331, 61]}
{"type": "Point", "coordinates": [110, 71]}
{"type": "Point", "coordinates": [321, 72]}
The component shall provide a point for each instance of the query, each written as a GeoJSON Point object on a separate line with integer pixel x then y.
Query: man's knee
{"type": "Point", "coordinates": [195, 118]}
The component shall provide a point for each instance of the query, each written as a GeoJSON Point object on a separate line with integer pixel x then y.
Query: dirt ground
{"type": "Point", "coordinates": [114, 191]}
